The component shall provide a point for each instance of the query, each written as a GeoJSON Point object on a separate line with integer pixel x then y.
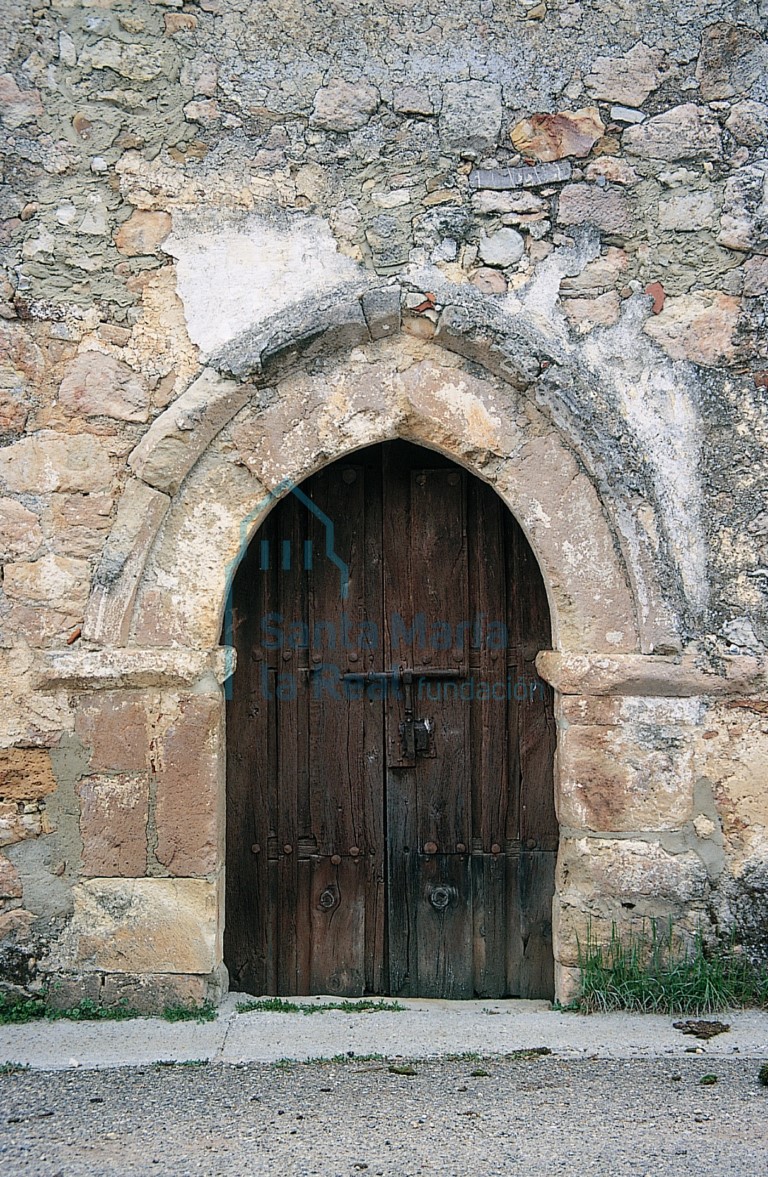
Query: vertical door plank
{"type": "Point", "coordinates": [251, 751]}
{"type": "Point", "coordinates": [444, 931]}
{"type": "Point", "coordinates": [401, 804]}
{"type": "Point", "coordinates": [337, 927]}
{"type": "Point", "coordinates": [346, 723]}
{"type": "Point", "coordinates": [490, 923]}
{"type": "Point", "coordinates": [537, 886]}
{"type": "Point", "coordinates": [440, 589]}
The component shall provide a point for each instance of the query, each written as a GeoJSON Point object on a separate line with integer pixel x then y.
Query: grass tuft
{"type": "Point", "coordinates": [190, 1013]}
{"type": "Point", "coordinates": [15, 1011]}
{"type": "Point", "coordinates": [12, 1068]}
{"type": "Point", "coordinates": [279, 1005]}
{"type": "Point", "coordinates": [650, 972]}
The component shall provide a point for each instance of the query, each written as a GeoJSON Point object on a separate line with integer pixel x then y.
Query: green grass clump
{"type": "Point", "coordinates": [650, 972]}
{"type": "Point", "coordinates": [190, 1013]}
{"type": "Point", "coordinates": [18, 1010]}
{"type": "Point", "coordinates": [279, 1005]}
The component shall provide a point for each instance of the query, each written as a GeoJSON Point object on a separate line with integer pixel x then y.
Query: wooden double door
{"type": "Point", "coordinates": [390, 824]}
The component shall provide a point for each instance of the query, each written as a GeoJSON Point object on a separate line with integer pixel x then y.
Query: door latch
{"type": "Point", "coordinates": [416, 737]}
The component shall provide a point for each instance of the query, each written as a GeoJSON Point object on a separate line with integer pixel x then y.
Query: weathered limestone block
{"type": "Point", "coordinates": [629, 79]}
{"type": "Point", "coordinates": [731, 751]}
{"type": "Point", "coordinates": [641, 674]}
{"type": "Point", "coordinates": [470, 117]}
{"type": "Point", "coordinates": [20, 531]}
{"type": "Point", "coordinates": [175, 440]}
{"type": "Point", "coordinates": [10, 883]}
{"type": "Point", "coordinates": [130, 60]}
{"type": "Point", "coordinates": [49, 461]}
{"type": "Point", "coordinates": [586, 204]}
{"type": "Point", "coordinates": [503, 248]}
{"type": "Point", "coordinates": [142, 926]}
{"type": "Point", "coordinates": [587, 313]}
{"type": "Point", "coordinates": [630, 870]}
{"type": "Point", "coordinates": [80, 523]}
{"type": "Point", "coordinates": [755, 272]}
{"type": "Point", "coordinates": [16, 824]}
{"type": "Point", "coordinates": [732, 59]}
{"type": "Point", "coordinates": [25, 774]}
{"type": "Point", "coordinates": [625, 778]}
{"type": "Point", "coordinates": [612, 169]}
{"type": "Point", "coordinates": [687, 212]}
{"type": "Point", "coordinates": [18, 107]}
{"type": "Point", "coordinates": [113, 825]}
{"type": "Point", "coordinates": [548, 137]}
{"type": "Point", "coordinates": [573, 926]}
{"type": "Point", "coordinates": [597, 276]}
{"type": "Point", "coordinates": [16, 923]}
{"type": "Point", "coordinates": [744, 220]}
{"type": "Point", "coordinates": [152, 993]}
{"type": "Point", "coordinates": [97, 385]}
{"type": "Point", "coordinates": [344, 106]}
{"type": "Point", "coordinates": [699, 327]}
{"type": "Point", "coordinates": [142, 232]}
{"type": "Point", "coordinates": [113, 726]}
{"type": "Point", "coordinates": [748, 123]}
{"type": "Point", "coordinates": [412, 100]}
{"type": "Point", "coordinates": [60, 582]}
{"type": "Point", "coordinates": [190, 786]}
{"type": "Point", "coordinates": [381, 309]}
{"type": "Point", "coordinates": [685, 132]}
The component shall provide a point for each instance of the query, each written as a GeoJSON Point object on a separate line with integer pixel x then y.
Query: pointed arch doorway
{"type": "Point", "coordinates": [390, 806]}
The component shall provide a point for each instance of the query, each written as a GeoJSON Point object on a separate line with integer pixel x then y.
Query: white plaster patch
{"type": "Point", "coordinates": [232, 276]}
{"type": "Point", "coordinates": [660, 406]}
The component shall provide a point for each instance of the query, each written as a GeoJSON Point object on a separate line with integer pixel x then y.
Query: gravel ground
{"type": "Point", "coordinates": [540, 1115]}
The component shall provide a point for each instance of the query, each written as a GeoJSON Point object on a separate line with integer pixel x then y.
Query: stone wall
{"type": "Point", "coordinates": [240, 240]}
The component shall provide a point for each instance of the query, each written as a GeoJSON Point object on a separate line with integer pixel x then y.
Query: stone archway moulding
{"type": "Point", "coordinates": [466, 386]}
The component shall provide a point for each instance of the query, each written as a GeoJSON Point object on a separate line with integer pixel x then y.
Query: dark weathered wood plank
{"type": "Point", "coordinates": [537, 886]}
{"type": "Point", "coordinates": [338, 925]}
{"type": "Point", "coordinates": [444, 931]}
{"type": "Point", "coordinates": [490, 924]}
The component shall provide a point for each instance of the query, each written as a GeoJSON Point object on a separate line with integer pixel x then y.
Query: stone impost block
{"type": "Point", "coordinates": [142, 926]}
{"type": "Point", "coordinates": [643, 674]}
{"type": "Point", "coordinates": [132, 668]}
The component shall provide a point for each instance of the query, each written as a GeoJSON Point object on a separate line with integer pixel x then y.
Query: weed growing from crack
{"type": "Point", "coordinates": [279, 1005]}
